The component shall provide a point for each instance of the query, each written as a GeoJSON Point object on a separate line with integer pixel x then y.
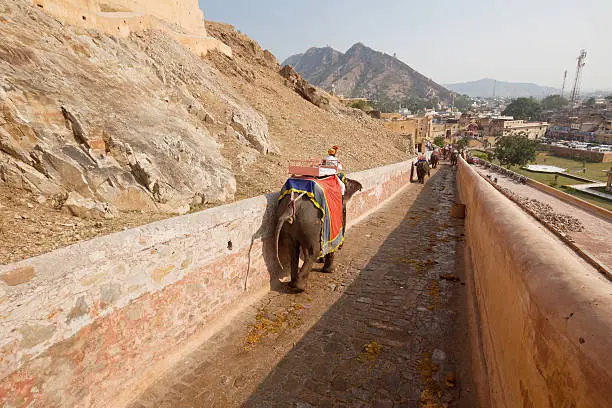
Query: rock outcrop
{"type": "Point", "coordinates": [121, 121]}
{"type": "Point", "coordinates": [303, 87]}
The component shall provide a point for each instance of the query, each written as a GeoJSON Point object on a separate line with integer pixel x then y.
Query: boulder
{"type": "Point", "coordinates": [87, 208]}
{"type": "Point", "coordinates": [254, 127]}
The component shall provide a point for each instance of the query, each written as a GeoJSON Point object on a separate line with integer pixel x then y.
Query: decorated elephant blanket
{"type": "Point", "coordinates": [326, 195]}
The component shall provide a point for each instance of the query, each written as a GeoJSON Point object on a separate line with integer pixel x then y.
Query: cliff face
{"type": "Point", "coordinates": [115, 120]}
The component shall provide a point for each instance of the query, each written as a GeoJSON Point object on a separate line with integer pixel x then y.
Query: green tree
{"type": "Point", "coordinates": [439, 141]}
{"type": "Point", "coordinates": [609, 98]}
{"type": "Point", "coordinates": [590, 102]}
{"type": "Point", "coordinates": [363, 105]}
{"type": "Point", "coordinates": [463, 102]}
{"type": "Point", "coordinates": [463, 143]}
{"type": "Point", "coordinates": [523, 108]}
{"type": "Point", "coordinates": [515, 150]}
{"type": "Point", "coordinates": [553, 102]}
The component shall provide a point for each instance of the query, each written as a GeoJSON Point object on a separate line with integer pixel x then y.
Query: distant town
{"type": "Point", "coordinates": [585, 125]}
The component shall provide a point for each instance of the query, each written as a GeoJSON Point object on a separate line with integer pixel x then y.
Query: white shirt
{"type": "Point", "coordinates": [332, 161]}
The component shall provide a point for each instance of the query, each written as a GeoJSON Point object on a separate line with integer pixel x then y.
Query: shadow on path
{"type": "Point", "coordinates": [396, 336]}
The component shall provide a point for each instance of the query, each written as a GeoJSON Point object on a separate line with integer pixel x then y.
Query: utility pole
{"type": "Point", "coordinates": [576, 88]}
{"type": "Point", "coordinates": [563, 87]}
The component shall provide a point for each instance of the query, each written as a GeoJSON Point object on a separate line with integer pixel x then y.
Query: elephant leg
{"type": "Point", "coordinates": [303, 274]}
{"type": "Point", "coordinates": [295, 262]}
{"type": "Point", "coordinates": [329, 263]}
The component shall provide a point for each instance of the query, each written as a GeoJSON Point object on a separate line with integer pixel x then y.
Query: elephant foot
{"type": "Point", "coordinates": [297, 287]}
{"type": "Point", "coordinates": [321, 260]}
{"type": "Point", "coordinates": [327, 269]}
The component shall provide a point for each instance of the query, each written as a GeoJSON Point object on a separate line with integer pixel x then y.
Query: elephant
{"type": "Point", "coordinates": [422, 169]}
{"type": "Point", "coordinates": [453, 158]}
{"type": "Point", "coordinates": [299, 223]}
{"type": "Point", "coordinates": [434, 160]}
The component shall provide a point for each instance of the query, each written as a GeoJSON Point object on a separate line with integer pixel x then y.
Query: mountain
{"type": "Point", "coordinates": [484, 88]}
{"type": "Point", "coordinates": [364, 72]}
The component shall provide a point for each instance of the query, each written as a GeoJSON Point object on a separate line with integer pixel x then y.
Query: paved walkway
{"type": "Point", "coordinates": [387, 329]}
{"type": "Point", "coordinates": [589, 189]}
{"type": "Point", "coordinates": [597, 235]}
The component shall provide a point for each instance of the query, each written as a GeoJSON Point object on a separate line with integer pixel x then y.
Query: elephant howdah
{"type": "Point", "coordinates": [311, 219]}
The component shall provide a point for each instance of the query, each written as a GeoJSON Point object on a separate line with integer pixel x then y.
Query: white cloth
{"type": "Point", "coordinates": [342, 186]}
{"type": "Point", "coordinates": [332, 161]}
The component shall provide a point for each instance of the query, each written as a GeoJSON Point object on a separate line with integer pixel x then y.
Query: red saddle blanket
{"type": "Point", "coordinates": [326, 195]}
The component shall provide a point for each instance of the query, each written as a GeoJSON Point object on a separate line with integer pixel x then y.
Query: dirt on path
{"type": "Point", "coordinates": [387, 329]}
{"type": "Point", "coordinates": [596, 234]}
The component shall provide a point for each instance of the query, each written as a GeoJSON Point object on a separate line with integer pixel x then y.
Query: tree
{"type": "Point", "coordinates": [463, 103]}
{"type": "Point", "coordinates": [363, 105]}
{"type": "Point", "coordinates": [515, 150]}
{"type": "Point", "coordinates": [439, 141]}
{"type": "Point", "coordinates": [463, 143]}
{"type": "Point", "coordinates": [590, 102]}
{"type": "Point", "coordinates": [553, 102]}
{"type": "Point", "coordinates": [609, 98]}
{"type": "Point", "coordinates": [523, 108]}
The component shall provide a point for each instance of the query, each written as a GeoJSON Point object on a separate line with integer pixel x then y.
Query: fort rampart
{"type": "Point", "coordinates": [81, 324]}
{"type": "Point", "coordinates": [545, 317]}
{"type": "Point", "coordinates": [182, 20]}
{"type": "Point", "coordinates": [579, 154]}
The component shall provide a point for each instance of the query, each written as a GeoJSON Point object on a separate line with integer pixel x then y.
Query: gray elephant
{"type": "Point", "coordinates": [299, 224]}
{"type": "Point", "coordinates": [422, 168]}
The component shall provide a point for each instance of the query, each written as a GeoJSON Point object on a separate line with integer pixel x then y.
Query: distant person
{"type": "Point", "coordinates": [332, 161]}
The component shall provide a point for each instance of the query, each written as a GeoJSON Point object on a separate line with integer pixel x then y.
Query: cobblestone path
{"type": "Point", "coordinates": [387, 329]}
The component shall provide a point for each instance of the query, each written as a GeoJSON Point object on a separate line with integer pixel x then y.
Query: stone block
{"type": "Point", "coordinates": [34, 334]}
{"type": "Point", "coordinates": [18, 276]}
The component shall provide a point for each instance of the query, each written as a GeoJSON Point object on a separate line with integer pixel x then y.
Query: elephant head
{"type": "Point", "coordinates": [352, 186]}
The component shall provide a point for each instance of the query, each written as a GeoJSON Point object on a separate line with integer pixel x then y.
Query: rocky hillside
{"type": "Point", "coordinates": [364, 72]}
{"type": "Point", "coordinates": [124, 131]}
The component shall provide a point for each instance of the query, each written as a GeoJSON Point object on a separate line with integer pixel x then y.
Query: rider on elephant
{"type": "Point", "coordinates": [332, 160]}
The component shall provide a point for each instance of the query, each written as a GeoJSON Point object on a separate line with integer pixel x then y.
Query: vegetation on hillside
{"type": "Point", "coordinates": [363, 105]}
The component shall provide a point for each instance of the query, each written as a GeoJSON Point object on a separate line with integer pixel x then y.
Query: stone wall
{"type": "Point", "coordinates": [183, 21]}
{"type": "Point", "coordinates": [579, 154]}
{"type": "Point", "coordinates": [545, 316]}
{"type": "Point", "coordinates": [86, 323]}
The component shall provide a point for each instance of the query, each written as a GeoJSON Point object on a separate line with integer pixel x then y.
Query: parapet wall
{"type": "Point", "coordinates": [545, 316]}
{"type": "Point", "coordinates": [82, 323]}
{"type": "Point", "coordinates": [579, 154]}
{"type": "Point", "coordinates": [183, 20]}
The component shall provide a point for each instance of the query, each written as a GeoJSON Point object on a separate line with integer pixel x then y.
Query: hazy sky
{"type": "Point", "coordinates": [449, 41]}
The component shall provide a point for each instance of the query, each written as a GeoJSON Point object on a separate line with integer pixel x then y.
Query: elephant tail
{"type": "Point", "coordinates": [283, 217]}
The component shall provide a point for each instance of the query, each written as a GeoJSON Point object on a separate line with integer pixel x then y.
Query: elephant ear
{"type": "Point", "coordinates": [352, 186]}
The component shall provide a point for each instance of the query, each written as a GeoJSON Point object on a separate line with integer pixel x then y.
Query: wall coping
{"type": "Point", "coordinates": [556, 283]}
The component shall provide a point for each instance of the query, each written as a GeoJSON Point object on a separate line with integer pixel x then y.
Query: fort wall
{"type": "Point", "coordinates": [579, 154]}
{"type": "Point", "coordinates": [82, 323]}
{"type": "Point", "coordinates": [183, 20]}
{"type": "Point", "coordinates": [545, 316]}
